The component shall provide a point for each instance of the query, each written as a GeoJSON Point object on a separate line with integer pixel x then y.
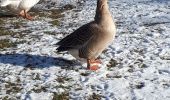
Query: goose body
{"type": "Point", "coordinates": [27, 4]}
{"type": "Point", "coordinates": [12, 5]}
{"type": "Point", "coordinates": [20, 7]}
{"type": "Point", "coordinates": [91, 39]}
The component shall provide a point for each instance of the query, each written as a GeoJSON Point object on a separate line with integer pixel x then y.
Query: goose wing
{"type": "Point", "coordinates": [77, 39]}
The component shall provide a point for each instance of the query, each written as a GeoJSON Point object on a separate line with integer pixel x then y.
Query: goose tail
{"type": "Point", "coordinates": [4, 3]}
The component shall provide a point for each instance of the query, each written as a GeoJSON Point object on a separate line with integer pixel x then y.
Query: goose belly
{"type": "Point", "coordinates": [27, 4]}
{"type": "Point", "coordinates": [13, 7]}
{"type": "Point", "coordinates": [75, 53]}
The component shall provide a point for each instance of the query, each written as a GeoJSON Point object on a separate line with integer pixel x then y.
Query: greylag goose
{"type": "Point", "coordinates": [91, 39]}
{"type": "Point", "coordinates": [20, 7]}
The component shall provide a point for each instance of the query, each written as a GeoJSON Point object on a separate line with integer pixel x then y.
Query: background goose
{"type": "Point", "coordinates": [20, 7]}
{"type": "Point", "coordinates": [91, 39]}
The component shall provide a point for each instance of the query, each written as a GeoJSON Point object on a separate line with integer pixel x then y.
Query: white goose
{"type": "Point", "coordinates": [21, 7]}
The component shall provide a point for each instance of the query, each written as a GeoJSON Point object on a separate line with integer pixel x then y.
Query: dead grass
{"type": "Point", "coordinates": [6, 43]}
{"type": "Point", "coordinates": [4, 32]}
{"type": "Point", "coordinates": [55, 22]}
{"type": "Point", "coordinates": [62, 96]}
{"type": "Point", "coordinates": [95, 96]}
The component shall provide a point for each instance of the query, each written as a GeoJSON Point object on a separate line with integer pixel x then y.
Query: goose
{"type": "Point", "coordinates": [20, 7]}
{"type": "Point", "coordinates": [88, 41]}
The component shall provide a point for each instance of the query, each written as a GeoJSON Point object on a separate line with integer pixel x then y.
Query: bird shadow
{"type": "Point", "coordinates": [36, 61]}
{"type": "Point", "coordinates": [7, 15]}
{"type": "Point", "coordinates": [155, 1]}
{"type": "Point", "coordinates": [160, 1]}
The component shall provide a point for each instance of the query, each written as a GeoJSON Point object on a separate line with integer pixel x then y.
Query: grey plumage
{"type": "Point", "coordinates": [76, 39]}
{"type": "Point", "coordinates": [91, 39]}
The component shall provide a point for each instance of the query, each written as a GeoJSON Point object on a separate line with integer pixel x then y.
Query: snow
{"type": "Point", "coordinates": [141, 50]}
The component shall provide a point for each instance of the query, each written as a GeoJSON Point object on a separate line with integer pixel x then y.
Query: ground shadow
{"type": "Point", "coordinates": [36, 61]}
{"type": "Point", "coordinates": [7, 15]}
{"type": "Point", "coordinates": [160, 1]}
{"type": "Point", "coordinates": [155, 1]}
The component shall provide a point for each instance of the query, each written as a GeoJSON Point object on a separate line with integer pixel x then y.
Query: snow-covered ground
{"type": "Point", "coordinates": [135, 67]}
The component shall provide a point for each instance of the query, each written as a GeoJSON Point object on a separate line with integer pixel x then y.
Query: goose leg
{"type": "Point", "coordinates": [27, 16]}
{"type": "Point", "coordinates": [93, 64]}
{"type": "Point", "coordinates": [97, 61]}
{"type": "Point", "coordinates": [24, 14]}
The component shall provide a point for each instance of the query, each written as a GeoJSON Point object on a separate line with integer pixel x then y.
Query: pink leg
{"type": "Point", "coordinates": [24, 14]}
{"type": "Point", "coordinates": [90, 65]}
{"type": "Point", "coordinates": [27, 16]}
